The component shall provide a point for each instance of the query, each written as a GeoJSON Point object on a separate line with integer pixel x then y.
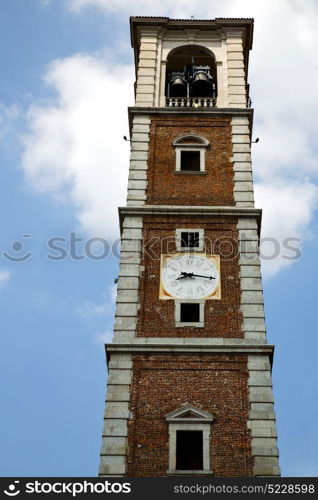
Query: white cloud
{"type": "Point", "coordinates": [288, 212]}
{"type": "Point", "coordinates": [91, 310]}
{"type": "Point", "coordinates": [139, 7]}
{"type": "Point", "coordinates": [74, 148]}
{"type": "Point", "coordinates": [75, 145]}
{"type": "Point", "coordinates": [201, 9]}
{"type": "Point", "coordinates": [4, 277]}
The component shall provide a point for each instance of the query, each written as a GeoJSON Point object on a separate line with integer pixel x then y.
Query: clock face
{"type": "Point", "coordinates": [189, 276]}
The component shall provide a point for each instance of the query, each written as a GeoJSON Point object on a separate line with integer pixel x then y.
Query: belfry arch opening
{"type": "Point", "coordinates": [191, 73]}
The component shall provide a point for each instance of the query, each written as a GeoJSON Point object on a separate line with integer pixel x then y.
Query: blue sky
{"type": "Point", "coordinates": [66, 82]}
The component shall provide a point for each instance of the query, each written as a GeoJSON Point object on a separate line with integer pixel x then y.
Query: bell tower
{"type": "Point", "coordinates": [189, 369]}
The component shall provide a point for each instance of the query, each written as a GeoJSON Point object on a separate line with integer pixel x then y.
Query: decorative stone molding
{"type": "Point", "coordinates": [188, 346]}
{"type": "Point", "coordinates": [202, 211]}
{"type": "Point", "coordinates": [189, 413]}
{"type": "Point", "coordinates": [197, 140]}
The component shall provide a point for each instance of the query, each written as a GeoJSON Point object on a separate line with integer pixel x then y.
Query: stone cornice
{"type": "Point", "coordinates": [202, 24]}
{"type": "Point", "coordinates": [138, 110]}
{"type": "Point", "coordinates": [137, 347]}
{"type": "Point", "coordinates": [201, 211]}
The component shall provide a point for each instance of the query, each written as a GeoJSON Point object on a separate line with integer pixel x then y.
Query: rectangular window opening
{"type": "Point", "coordinates": [189, 240]}
{"type": "Point", "coordinates": [190, 161]}
{"type": "Point", "coordinates": [189, 450]}
{"type": "Point", "coordinates": [189, 313]}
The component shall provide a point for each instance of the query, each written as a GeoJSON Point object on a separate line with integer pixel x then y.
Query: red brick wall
{"type": "Point", "coordinates": [162, 384]}
{"type": "Point", "coordinates": [165, 187]}
{"type": "Point", "coordinates": [222, 317]}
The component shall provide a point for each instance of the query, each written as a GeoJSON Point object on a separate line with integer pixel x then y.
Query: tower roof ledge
{"type": "Point", "coordinates": [202, 24]}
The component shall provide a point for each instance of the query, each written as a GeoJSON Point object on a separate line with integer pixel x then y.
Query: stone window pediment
{"type": "Point", "coordinates": [190, 140]}
{"type": "Point", "coordinates": [190, 413]}
{"type": "Point", "coordinates": [185, 424]}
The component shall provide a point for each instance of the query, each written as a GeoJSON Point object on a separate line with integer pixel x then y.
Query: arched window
{"type": "Point", "coordinates": [190, 153]}
{"type": "Point", "coordinates": [191, 73]}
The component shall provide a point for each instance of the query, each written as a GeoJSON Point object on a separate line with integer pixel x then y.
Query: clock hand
{"type": "Point", "coordinates": [183, 275]}
{"type": "Point", "coordinates": [201, 276]}
{"type": "Point", "coordinates": [190, 275]}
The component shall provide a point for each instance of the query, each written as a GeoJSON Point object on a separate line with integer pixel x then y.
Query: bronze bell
{"type": "Point", "coordinates": [178, 87]}
{"type": "Point", "coordinates": [201, 75]}
{"type": "Point", "coordinates": [201, 85]}
{"type": "Point", "coordinates": [178, 80]}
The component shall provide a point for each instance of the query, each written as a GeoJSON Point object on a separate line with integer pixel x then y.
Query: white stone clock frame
{"type": "Point", "coordinates": [214, 295]}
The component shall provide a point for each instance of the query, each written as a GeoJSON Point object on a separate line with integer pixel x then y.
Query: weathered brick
{"type": "Point", "coordinates": [163, 383]}
{"type": "Point", "coordinates": [165, 187]}
{"type": "Point", "coordinates": [223, 318]}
